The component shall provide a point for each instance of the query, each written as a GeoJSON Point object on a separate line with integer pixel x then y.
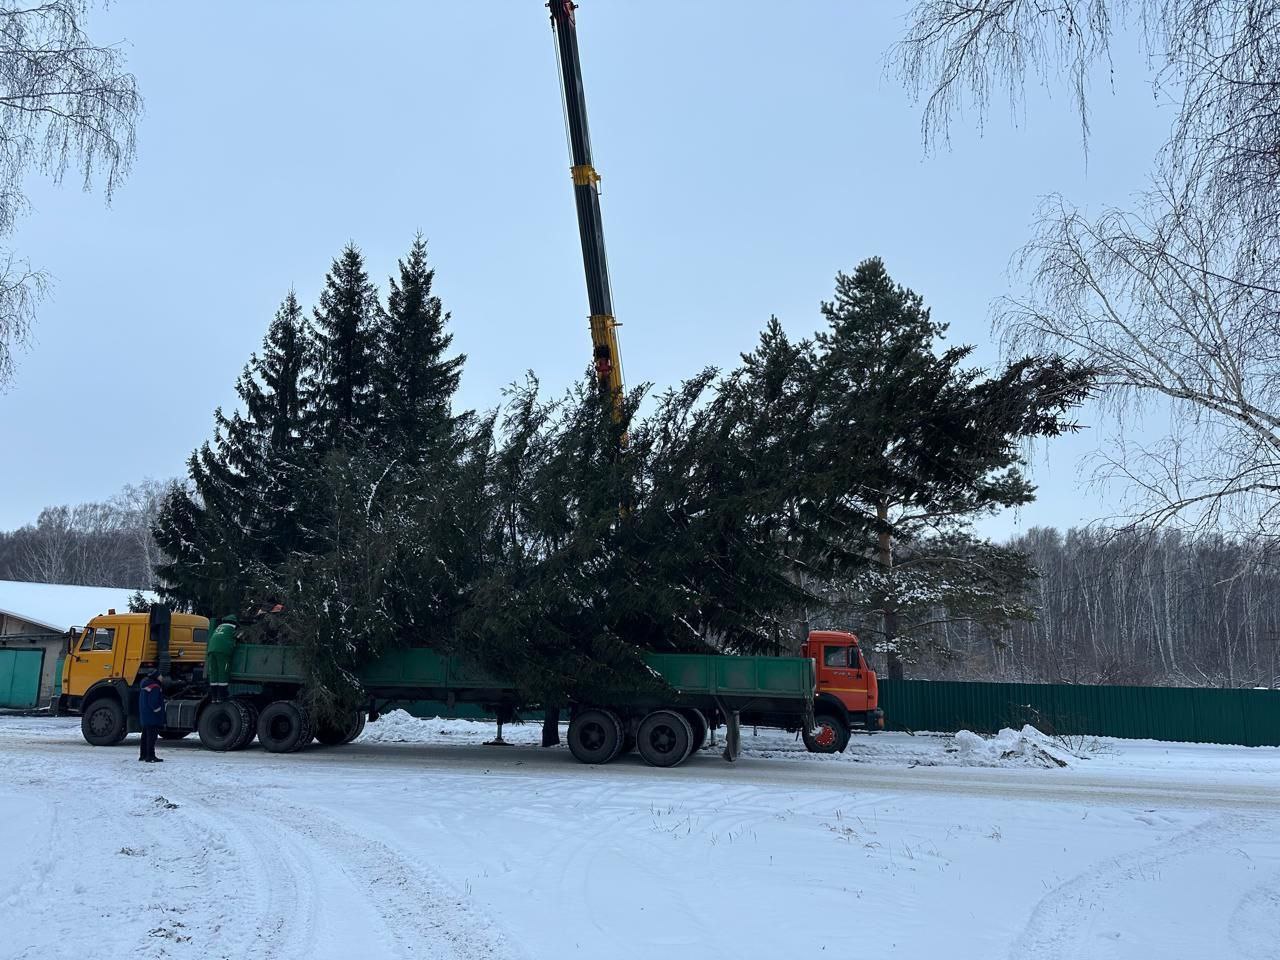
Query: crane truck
{"type": "Point", "coordinates": [823, 693]}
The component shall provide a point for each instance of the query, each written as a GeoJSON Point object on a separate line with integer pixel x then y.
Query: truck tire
{"type": "Point", "coordinates": [284, 727]}
{"type": "Point", "coordinates": [221, 725]}
{"type": "Point", "coordinates": [830, 734]}
{"type": "Point", "coordinates": [167, 734]}
{"type": "Point", "coordinates": [357, 728]}
{"type": "Point", "coordinates": [334, 735]}
{"type": "Point", "coordinates": [595, 736]}
{"type": "Point", "coordinates": [698, 724]}
{"type": "Point", "coordinates": [103, 723]}
{"type": "Point", "coordinates": [665, 738]}
{"type": "Point", "coordinates": [250, 724]}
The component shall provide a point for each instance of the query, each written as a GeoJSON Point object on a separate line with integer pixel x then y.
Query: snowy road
{"type": "Point", "coordinates": [443, 848]}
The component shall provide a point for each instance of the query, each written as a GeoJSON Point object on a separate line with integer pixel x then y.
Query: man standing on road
{"type": "Point", "coordinates": [151, 716]}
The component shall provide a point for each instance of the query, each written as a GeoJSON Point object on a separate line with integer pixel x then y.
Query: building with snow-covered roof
{"type": "Point", "coordinates": [35, 621]}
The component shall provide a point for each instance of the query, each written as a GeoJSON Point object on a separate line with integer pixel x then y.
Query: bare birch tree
{"type": "Point", "coordinates": [1178, 299]}
{"type": "Point", "coordinates": [1164, 307]}
{"type": "Point", "coordinates": [66, 104]}
{"type": "Point", "coordinates": [106, 543]}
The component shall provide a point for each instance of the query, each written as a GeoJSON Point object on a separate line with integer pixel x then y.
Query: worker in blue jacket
{"type": "Point", "coordinates": [150, 716]}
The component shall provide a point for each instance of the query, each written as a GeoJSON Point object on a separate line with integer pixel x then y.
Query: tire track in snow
{"type": "Point", "coordinates": [268, 907]}
{"type": "Point", "coordinates": [138, 865]}
{"type": "Point", "coordinates": [421, 916]}
{"type": "Point", "coordinates": [1255, 923]}
{"type": "Point", "coordinates": [1060, 926]}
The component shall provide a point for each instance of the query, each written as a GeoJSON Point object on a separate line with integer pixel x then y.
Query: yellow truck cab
{"type": "Point", "coordinates": [107, 661]}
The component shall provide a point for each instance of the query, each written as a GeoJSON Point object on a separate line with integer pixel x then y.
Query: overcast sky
{"type": "Point", "coordinates": [747, 156]}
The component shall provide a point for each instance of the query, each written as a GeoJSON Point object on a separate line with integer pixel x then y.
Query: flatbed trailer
{"type": "Point", "coordinates": [666, 721]}
{"type": "Point", "coordinates": [823, 694]}
{"type": "Point", "coordinates": [265, 698]}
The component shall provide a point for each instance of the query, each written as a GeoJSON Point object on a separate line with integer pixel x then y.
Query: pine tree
{"type": "Point", "coordinates": [342, 388]}
{"type": "Point", "coordinates": [915, 445]}
{"type": "Point", "coordinates": [416, 380]}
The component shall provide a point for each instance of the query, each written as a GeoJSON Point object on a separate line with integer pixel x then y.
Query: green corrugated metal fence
{"type": "Point", "coordinates": [1197, 715]}
{"type": "Point", "coordinates": [20, 677]}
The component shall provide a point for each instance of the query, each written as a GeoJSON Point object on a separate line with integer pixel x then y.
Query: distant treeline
{"type": "Point", "coordinates": [106, 544]}
{"type": "Point", "coordinates": [1130, 608]}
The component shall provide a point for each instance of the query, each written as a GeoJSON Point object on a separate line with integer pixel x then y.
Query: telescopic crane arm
{"type": "Point", "coordinates": [586, 190]}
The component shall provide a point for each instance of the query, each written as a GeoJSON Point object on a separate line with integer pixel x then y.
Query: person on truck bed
{"type": "Point", "coordinates": [150, 716]}
{"type": "Point", "coordinates": [218, 656]}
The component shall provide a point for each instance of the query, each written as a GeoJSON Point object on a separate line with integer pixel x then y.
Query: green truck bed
{"type": "Point", "coordinates": [692, 675]}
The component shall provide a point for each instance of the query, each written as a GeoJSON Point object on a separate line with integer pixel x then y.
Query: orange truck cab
{"type": "Point", "coordinates": [848, 695]}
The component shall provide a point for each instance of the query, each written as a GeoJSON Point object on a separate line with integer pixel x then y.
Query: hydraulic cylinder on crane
{"type": "Point", "coordinates": [606, 358]}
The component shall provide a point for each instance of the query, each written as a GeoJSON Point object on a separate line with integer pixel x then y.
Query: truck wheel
{"type": "Point", "coordinates": [698, 724]}
{"type": "Point", "coordinates": [595, 736]}
{"type": "Point", "coordinates": [329, 735]}
{"type": "Point", "coordinates": [336, 734]}
{"type": "Point", "coordinates": [356, 728]}
{"type": "Point", "coordinates": [284, 727]}
{"type": "Point", "coordinates": [250, 724]}
{"type": "Point", "coordinates": [665, 738]}
{"type": "Point", "coordinates": [830, 735]}
{"type": "Point", "coordinates": [173, 734]}
{"type": "Point", "coordinates": [221, 725]}
{"type": "Point", "coordinates": [103, 724]}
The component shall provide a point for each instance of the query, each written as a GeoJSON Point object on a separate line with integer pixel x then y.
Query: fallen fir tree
{"type": "Point", "coordinates": [554, 543]}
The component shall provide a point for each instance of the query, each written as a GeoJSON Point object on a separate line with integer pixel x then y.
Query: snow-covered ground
{"type": "Point", "coordinates": [427, 845]}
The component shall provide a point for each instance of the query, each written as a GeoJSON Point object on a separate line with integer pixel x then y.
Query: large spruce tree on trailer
{"type": "Point", "coordinates": [714, 542]}
{"type": "Point", "coordinates": [269, 447]}
{"type": "Point", "coordinates": [385, 555]}
{"type": "Point", "coordinates": [416, 379]}
{"type": "Point", "coordinates": [342, 389]}
{"type": "Point", "coordinates": [916, 446]}
{"type": "Point", "coordinates": [242, 503]}
{"type": "Point", "coordinates": [200, 530]}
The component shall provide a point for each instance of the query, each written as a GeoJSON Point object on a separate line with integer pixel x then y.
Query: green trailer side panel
{"type": "Point", "coordinates": [464, 674]}
{"type": "Point", "coordinates": [265, 664]}
{"type": "Point", "coordinates": [408, 668]}
{"type": "Point", "coordinates": [426, 668]}
{"type": "Point", "coordinates": [736, 675]}
{"type": "Point", "coordinates": [771, 677]}
{"type": "Point", "coordinates": [785, 676]}
{"type": "Point", "coordinates": [767, 677]}
{"type": "Point", "coordinates": [689, 674]}
{"type": "Point", "coordinates": [20, 678]}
